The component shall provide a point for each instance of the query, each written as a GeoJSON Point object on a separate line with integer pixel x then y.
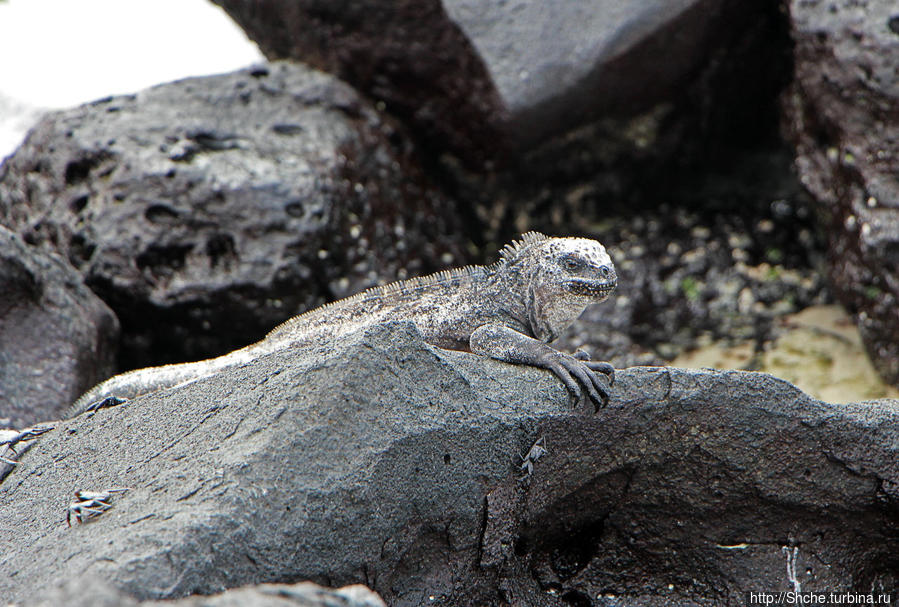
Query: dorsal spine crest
{"type": "Point", "coordinates": [412, 286]}
{"type": "Point", "coordinates": [409, 286]}
{"type": "Point", "coordinates": [511, 251]}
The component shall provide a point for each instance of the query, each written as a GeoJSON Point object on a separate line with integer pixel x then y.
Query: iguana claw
{"type": "Point", "coordinates": [567, 368]}
{"type": "Point", "coordinates": [603, 367]}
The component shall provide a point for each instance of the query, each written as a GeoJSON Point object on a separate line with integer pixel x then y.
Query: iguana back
{"type": "Point", "coordinates": [506, 311]}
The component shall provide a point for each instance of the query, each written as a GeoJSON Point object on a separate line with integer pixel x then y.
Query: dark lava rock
{"type": "Point", "coordinates": [408, 55]}
{"type": "Point", "coordinates": [844, 118]}
{"type": "Point", "coordinates": [206, 211]}
{"type": "Point", "coordinates": [483, 76]}
{"type": "Point", "coordinates": [718, 129]}
{"type": "Point", "coordinates": [391, 463]}
{"type": "Point", "coordinates": [55, 335]}
{"type": "Point", "coordinates": [566, 66]}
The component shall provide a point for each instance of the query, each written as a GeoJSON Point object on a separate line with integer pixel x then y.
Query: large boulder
{"type": "Point", "coordinates": [56, 337]}
{"type": "Point", "coordinates": [384, 461]}
{"type": "Point", "coordinates": [481, 76]}
{"type": "Point", "coordinates": [843, 114]}
{"type": "Point", "coordinates": [408, 55]}
{"type": "Point", "coordinates": [208, 210]}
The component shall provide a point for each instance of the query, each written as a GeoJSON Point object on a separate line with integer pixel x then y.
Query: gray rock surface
{"type": "Point", "coordinates": [556, 66]}
{"type": "Point", "coordinates": [387, 462]}
{"type": "Point", "coordinates": [217, 207]}
{"type": "Point", "coordinates": [90, 591]}
{"type": "Point", "coordinates": [408, 55]}
{"type": "Point", "coordinates": [843, 114]}
{"type": "Point", "coordinates": [480, 76]}
{"type": "Point", "coordinates": [56, 337]}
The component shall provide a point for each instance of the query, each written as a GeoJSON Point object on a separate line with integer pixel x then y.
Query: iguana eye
{"type": "Point", "coordinates": [572, 263]}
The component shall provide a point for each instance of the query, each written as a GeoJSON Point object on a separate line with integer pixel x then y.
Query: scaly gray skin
{"type": "Point", "coordinates": [507, 311]}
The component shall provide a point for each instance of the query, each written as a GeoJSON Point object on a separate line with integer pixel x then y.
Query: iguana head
{"type": "Point", "coordinates": [564, 276]}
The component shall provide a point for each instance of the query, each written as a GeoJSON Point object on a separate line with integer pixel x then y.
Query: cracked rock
{"type": "Point", "coordinates": [387, 462]}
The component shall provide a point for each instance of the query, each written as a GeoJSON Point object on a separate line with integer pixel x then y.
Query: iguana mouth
{"type": "Point", "coordinates": [591, 288]}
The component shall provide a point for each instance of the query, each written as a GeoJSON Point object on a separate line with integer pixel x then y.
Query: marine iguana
{"type": "Point", "coordinates": [508, 311]}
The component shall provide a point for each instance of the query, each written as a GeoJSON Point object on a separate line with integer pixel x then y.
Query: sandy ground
{"type": "Point", "coordinates": [819, 350]}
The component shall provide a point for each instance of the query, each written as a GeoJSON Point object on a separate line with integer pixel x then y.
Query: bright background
{"type": "Point", "coordinates": [61, 53]}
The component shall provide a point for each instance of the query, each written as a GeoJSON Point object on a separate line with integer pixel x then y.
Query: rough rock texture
{"type": "Point", "coordinates": [844, 118]}
{"type": "Point", "coordinates": [408, 55]}
{"type": "Point", "coordinates": [55, 335]}
{"type": "Point", "coordinates": [387, 462]}
{"type": "Point", "coordinates": [465, 71]}
{"type": "Point", "coordinates": [217, 207]}
{"type": "Point", "coordinates": [90, 591]}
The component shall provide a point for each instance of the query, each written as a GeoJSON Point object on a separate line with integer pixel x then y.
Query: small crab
{"type": "Point", "coordinates": [9, 438]}
{"type": "Point", "coordinates": [537, 450]}
{"type": "Point", "coordinates": [88, 504]}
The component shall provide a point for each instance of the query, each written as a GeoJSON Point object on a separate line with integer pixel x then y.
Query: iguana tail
{"type": "Point", "coordinates": [132, 384]}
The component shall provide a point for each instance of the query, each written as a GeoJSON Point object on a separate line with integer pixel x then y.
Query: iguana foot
{"type": "Point", "coordinates": [580, 375]}
{"type": "Point", "coordinates": [603, 367]}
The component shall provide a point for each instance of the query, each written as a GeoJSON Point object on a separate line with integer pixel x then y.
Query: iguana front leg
{"type": "Point", "coordinates": [506, 344]}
